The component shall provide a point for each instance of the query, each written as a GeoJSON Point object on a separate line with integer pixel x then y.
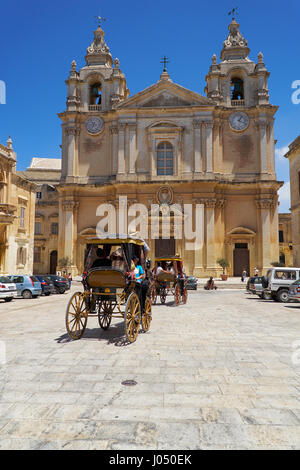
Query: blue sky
{"type": "Point", "coordinates": [39, 40]}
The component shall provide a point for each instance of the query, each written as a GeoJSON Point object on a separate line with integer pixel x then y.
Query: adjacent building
{"type": "Point", "coordinates": [45, 173]}
{"type": "Point", "coordinates": [293, 156]}
{"type": "Point", "coordinates": [17, 212]}
{"type": "Point", "coordinates": [285, 239]}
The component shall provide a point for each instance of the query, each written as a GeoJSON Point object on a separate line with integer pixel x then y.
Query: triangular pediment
{"type": "Point", "coordinates": [164, 94]}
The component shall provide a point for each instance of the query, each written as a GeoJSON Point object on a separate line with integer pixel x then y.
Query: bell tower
{"type": "Point", "coordinates": [237, 81]}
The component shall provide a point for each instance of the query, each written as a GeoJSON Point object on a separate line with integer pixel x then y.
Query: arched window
{"type": "Point", "coordinates": [165, 158]}
{"type": "Point", "coordinates": [95, 93]}
{"type": "Point", "coordinates": [237, 89]}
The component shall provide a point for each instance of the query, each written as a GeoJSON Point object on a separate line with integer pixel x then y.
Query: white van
{"type": "Point", "coordinates": [278, 280]}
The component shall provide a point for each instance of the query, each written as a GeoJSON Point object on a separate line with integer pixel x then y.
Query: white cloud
{"type": "Point", "coordinates": [280, 152]}
{"type": "Point", "coordinates": [284, 197]}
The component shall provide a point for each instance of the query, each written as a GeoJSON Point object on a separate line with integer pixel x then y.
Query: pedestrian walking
{"type": "Point", "coordinates": [70, 280]}
{"type": "Point", "coordinates": [244, 275]}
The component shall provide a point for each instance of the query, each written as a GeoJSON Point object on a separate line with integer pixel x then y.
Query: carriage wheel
{"type": "Point", "coordinates": [76, 315]}
{"type": "Point", "coordinates": [147, 315]}
{"type": "Point", "coordinates": [185, 295]}
{"type": "Point", "coordinates": [105, 311]}
{"type": "Point", "coordinates": [177, 294]}
{"type": "Point", "coordinates": [163, 295]}
{"type": "Point", "coordinates": [132, 317]}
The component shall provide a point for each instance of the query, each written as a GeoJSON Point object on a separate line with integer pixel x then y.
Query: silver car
{"type": "Point", "coordinates": [8, 289]}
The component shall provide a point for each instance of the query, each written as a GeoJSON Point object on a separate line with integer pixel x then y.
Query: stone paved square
{"type": "Point", "coordinates": [216, 373]}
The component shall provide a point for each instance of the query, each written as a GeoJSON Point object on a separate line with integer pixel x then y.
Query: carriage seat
{"type": "Point", "coordinates": [165, 277]}
{"type": "Point", "coordinates": [105, 277]}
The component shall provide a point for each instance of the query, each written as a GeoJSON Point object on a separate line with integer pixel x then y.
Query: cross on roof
{"type": "Point", "coordinates": [99, 19]}
{"type": "Point", "coordinates": [164, 61]}
{"type": "Point", "coordinates": [233, 12]}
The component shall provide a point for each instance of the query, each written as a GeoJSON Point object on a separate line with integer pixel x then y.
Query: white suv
{"type": "Point", "coordinates": [278, 280]}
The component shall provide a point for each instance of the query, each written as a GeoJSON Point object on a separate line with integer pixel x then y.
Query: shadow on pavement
{"type": "Point", "coordinates": [113, 335]}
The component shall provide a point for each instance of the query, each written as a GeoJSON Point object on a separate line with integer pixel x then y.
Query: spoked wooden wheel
{"type": "Point", "coordinates": [147, 315]}
{"type": "Point", "coordinates": [185, 296]}
{"type": "Point", "coordinates": [132, 317]}
{"type": "Point", "coordinates": [177, 294]}
{"type": "Point", "coordinates": [105, 310]}
{"type": "Point", "coordinates": [76, 315]}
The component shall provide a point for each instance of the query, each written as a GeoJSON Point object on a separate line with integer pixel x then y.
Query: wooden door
{"type": "Point", "coordinates": [53, 262]}
{"type": "Point", "coordinates": [241, 261]}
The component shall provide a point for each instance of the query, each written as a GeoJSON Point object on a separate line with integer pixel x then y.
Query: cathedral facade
{"type": "Point", "coordinates": [203, 163]}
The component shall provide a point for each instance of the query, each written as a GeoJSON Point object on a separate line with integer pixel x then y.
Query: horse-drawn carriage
{"type": "Point", "coordinates": [109, 290]}
{"type": "Point", "coordinates": [168, 279]}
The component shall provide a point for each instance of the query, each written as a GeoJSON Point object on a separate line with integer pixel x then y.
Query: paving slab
{"type": "Point", "coordinates": [216, 373]}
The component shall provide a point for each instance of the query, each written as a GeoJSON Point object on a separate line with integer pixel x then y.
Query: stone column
{"type": "Point", "coordinates": [72, 133]}
{"type": "Point", "coordinates": [209, 146]}
{"type": "Point", "coordinates": [262, 125]}
{"type": "Point", "coordinates": [264, 206]}
{"type": "Point", "coordinates": [198, 164]}
{"type": "Point", "coordinates": [114, 151]}
{"type": "Point", "coordinates": [121, 149]}
{"type": "Point", "coordinates": [198, 253]}
{"type": "Point", "coordinates": [132, 148]}
{"type": "Point", "coordinates": [70, 208]}
{"type": "Point", "coordinates": [272, 146]}
{"type": "Point", "coordinates": [210, 205]}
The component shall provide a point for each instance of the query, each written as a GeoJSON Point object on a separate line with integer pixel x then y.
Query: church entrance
{"type": "Point", "coordinates": [241, 259]}
{"type": "Point", "coordinates": [53, 262]}
{"type": "Point", "coordinates": [164, 247]}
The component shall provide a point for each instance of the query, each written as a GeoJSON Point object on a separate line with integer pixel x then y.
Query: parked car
{"type": "Point", "coordinates": [294, 291]}
{"type": "Point", "coordinates": [8, 289]}
{"type": "Point", "coordinates": [61, 284]}
{"type": "Point", "coordinates": [278, 280]}
{"type": "Point", "coordinates": [255, 286]}
{"type": "Point", "coordinates": [45, 284]}
{"type": "Point", "coordinates": [28, 286]}
{"type": "Point", "coordinates": [191, 282]}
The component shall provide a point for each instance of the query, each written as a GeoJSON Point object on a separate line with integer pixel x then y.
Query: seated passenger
{"type": "Point", "coordinates": [101, 261]}
{"type": "Point", "coordinates": [118, 260]}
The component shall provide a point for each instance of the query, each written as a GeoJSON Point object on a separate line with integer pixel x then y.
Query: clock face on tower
{"type": "Point", "coordinates": [94, 125]}
{"type": "Point", "coordinates": [238, 121]}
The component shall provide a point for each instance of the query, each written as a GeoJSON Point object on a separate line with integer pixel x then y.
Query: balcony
{"type": "Point", "coordinates": [95, 107]}
{"type": "Point", "coordinates": [237, 103]}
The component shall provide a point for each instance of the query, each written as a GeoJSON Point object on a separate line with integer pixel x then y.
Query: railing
{"type": "Point", "coordinates": [95, 107]}
{"type": "Point", "coordinates": [237, 103]}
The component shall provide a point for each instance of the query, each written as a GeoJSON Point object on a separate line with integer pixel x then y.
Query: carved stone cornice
{"type": "Point", "coordinates": [197, 123]}
{"type": "Point", "coordinates": [220, 204]}
{"type": "Point", "coordinates": [72, 131]}
{"type": "Point", "coordinates": [132, 127]}
{"type": "Point", "coordinates": [121, 126]}
{"type": "Point", "coordinates": [114, 129]}
{"type": "Point", "coordinates": [265, 203]}
{"type": "Point", "coordinates": [70, 205]}
{"type": "Point", "coordinates": [210, 203]}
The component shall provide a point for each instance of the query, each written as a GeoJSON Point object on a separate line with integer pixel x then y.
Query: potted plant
{"type": "Point", "coordinates": [224, 264]}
